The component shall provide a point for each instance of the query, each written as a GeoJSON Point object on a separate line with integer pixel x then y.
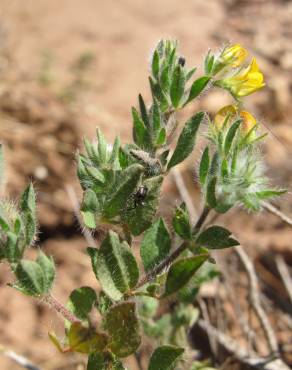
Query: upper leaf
{"type": "Point", "coordinates": [177, 86]}
{"type": "Point", "coordinates": [186, 140]}
{"type": "Point", "coordinates": [197, 87]}
{"type": "Point", "coordinates": [123, 187]}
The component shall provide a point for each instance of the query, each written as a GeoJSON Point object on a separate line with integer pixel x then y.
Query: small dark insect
{"type": "Point", "coordinates": [140, 196]}
{"type": "Point", "coordinates": [181, 61]}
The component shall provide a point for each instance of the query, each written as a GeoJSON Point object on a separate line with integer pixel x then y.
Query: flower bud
{"type": "Point", "coordinates": [226, 113]}
{"type": "Point", "coordinates": [233, 55]}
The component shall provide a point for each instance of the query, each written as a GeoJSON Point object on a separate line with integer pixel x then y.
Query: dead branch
{"type": "Point", "coordinates": [20, 360]}
{"type": "Point", "coordinates": [285, 275]}
{"type": "Point", "coordinates": [269, 207]}
{"type": "Point", "coordinates": [240, 353]}
{"type": "Point", "coordinates": [256, 301]}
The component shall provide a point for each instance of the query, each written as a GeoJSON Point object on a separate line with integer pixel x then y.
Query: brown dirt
{"type": "Point", "coordinates": [48, 102]}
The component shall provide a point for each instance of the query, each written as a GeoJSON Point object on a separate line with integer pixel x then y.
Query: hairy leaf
{"type": "Point", "coordinates": [155, 245]}
{"type": "Point", "coordinates": [114, 266]}
{"type": "Point", "coordinates": [186, 140]}
{"type": "Point", "coordinates": [165, 357]}
{"type": "Point", "coordinates": [122, 324]}
{"type": "Point", "coordinates": [181, 272]}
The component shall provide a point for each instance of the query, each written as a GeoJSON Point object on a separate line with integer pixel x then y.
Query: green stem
{"type": "Point", "coordinates": [173, 256]}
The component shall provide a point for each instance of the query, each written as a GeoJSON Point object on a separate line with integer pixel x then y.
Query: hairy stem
{"type": "Point", "coordinates": [60, 308]}
{"type": "Point", "coordinates": [176, 253]}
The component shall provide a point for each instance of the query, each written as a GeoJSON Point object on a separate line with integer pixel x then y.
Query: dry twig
{"type": "Point", "coordinates": [285, 275]}
{"type": "Point", "coordinates": [269, 207]}
{"type": "Point", "coordinates": [20, 360]}
{"type": "Point", "coordinates": [240, 353]}
{"type": "Point", "coordinates": [256, 302]}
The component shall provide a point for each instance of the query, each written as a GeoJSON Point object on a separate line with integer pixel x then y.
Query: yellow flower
{"type": "Point", "coordinates": [245, 82]}
{"type": "Point", "coordinates": [248, 122]}
{"type": "Point", "coordinates": [233, 55]}
{"type": "Point", "coordinates": [227, 112]}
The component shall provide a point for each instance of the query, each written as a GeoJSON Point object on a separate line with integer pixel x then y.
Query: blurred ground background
{"type": "Point", "coordinates": [69, 66]}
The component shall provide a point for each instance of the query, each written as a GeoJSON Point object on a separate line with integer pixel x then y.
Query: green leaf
{"type": "Point", "coordinates": [90, 202]}
{"type": "Point", "coordinates": [164, 78]}
{"type": "Point", "coordinates": [177, 86]}
{"type": "Point", "coordinates": [114, 157]}
{"type": "Point", "coordinates": [89, 219]}
{"type": "Point", "coordinates": [4, 225]}
{"type": "Point", "coordinates": [186, 140]}
{"type": "Point", "coordinates": [30, 227]}
{"type": "Point", "coordinates": [140, 133]}
{"type": "Point", "coordinates": [165, 357]}
{"type": "Point", "coordinates": [269, 193]}
{"type": "Point", "coordinates": [197, 87]}
{"type": "Point", "coordinates": [230, 136]}
{"type": "Point", "coordinates": [181, 222]}
{"type": "Point", "coordinates": [181, 272]}
{"type": "Point", "coordinates": [53, 338]}
{"type": "Point", "coordinates": [161, 138]}
{"type": "Point", "coordinates": [204, 166]}
{"type": "Point", "coordinates": [216, 237]}
{"type": "Point", "coordinates": [114, 266]}
{"type": "Point", "coordinates": [122, 324]}
{"type": "Point", "coordinates": [11, 250]}
{"type": "Point", "coordinates": [104, 302]}
{"type": "Point", "coordinates": [48, 267]}
{"type": "Point", "coordinates": [86, 340]}
{"type": "Point", "coordinates": [190, 73]}
{"type": "Point", "coordinates": [30, 278]}
{"type": "Point", "coordinates": [147, 306]}
{"type": "Point", "coordinates": [159, 94]}
{"type": "Point", "coordinates": [209, 62]}
{"type": "Point", "coordinates": [155, 245]}
{"type": "Point", "coordinates": [155, 65]}
{"type": "Point", "coordinates": [102, 147]}
{"type": "Point", "coordinates": [104, 361]}
{"type": "Point", "coordinates": [124, 186]}
{"type": "Point", "coordinates": [27, 200]}
{"type": "Point", "coordinates": [143, 111]}
{"type": "Point", "coordinates": [139, 218]}
{"type": "Point", "coordinates": [211, 193]}
{"type": "Point", "coordinates": [156, 119]}
{"type": "Point", "coordinates": [95, 173]}
{"type": "Point", "coordinates": [81, 302]}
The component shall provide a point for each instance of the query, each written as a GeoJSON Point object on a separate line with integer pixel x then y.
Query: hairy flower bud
{"type": "Point", "coordinates": [225, 114]}
{"type": "Point", "coordinates": [233, 55]}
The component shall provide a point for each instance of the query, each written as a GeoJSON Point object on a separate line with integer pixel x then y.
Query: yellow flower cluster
{"type": "Point", "coordinates": [245, 81]}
